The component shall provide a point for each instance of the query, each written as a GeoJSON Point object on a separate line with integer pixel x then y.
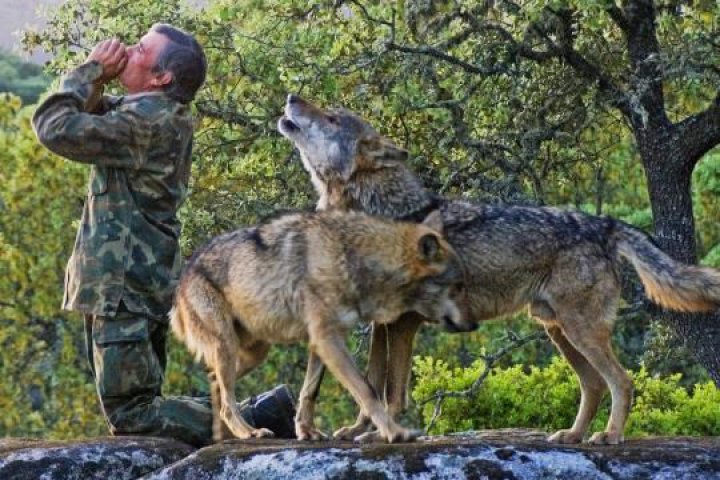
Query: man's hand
{"type": "Point", "coordinates": [112, 55]}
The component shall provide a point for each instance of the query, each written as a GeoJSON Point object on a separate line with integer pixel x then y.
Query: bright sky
{"type": "Point", "coordinates": [17, 15]}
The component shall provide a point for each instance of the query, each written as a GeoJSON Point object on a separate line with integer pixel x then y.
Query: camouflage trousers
{"type": "Point", "coordinates": [127, 356]}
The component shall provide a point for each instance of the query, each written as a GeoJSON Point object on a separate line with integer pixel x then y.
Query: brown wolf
{"type": "Point", "coordinates": [311, 277]}
{"type": "Point", "coordinates": [563, 265]}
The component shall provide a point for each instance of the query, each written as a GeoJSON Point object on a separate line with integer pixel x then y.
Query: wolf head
{"type": "Point", "coordinates": [438, 290]}
{"type": "Point", "coordinates": [335, 144]}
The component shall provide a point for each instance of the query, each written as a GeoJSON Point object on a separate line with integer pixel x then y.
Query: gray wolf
{"type": "Point", "coordinates": [563, 265]}
{"type": "Point", "coordinates": [311, 277]}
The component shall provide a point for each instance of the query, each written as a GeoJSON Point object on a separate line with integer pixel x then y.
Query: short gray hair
{"type": "Point", "coordinates": [185, 59]}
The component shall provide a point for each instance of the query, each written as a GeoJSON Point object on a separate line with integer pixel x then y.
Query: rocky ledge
{"type": "Point", "coordinates": [498, 454]}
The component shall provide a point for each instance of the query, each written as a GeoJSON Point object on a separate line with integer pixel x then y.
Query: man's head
{"type": "Point", "coordinates": [167, 59]}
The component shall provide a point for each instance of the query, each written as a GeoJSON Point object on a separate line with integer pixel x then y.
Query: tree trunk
{"type": "Point", "coordinates": [668, 170]}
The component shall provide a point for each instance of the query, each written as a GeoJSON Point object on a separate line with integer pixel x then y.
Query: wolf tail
{"type": "Point", "coordinates": [670, 284]}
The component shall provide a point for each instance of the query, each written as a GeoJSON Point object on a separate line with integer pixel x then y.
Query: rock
{"type": "Point", "coordinates": [492, 455]}
{"type": "Point", "coordinates": [107, 458]}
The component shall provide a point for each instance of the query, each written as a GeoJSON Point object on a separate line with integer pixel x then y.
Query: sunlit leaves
{"type": "Point", "coordinates": [476, 97]}
{"type": "Point", "coordinates": [41, 195]}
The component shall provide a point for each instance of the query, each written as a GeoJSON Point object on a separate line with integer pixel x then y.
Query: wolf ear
{"type": "Point", "coordinates": [379, 152]}
{"type": "Point", "coordinates": [393, 152]}
{"type": "Point", "coordinates": [429, 246]}
{"type": "Point", "coordinates": [434, 220]}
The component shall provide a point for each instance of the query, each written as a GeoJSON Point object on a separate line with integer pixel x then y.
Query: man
{"type": "Point", "coordinates": [126, 259]}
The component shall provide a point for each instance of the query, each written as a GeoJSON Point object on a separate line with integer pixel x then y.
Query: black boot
{"type": "Point", "coordinates": [274, 410]}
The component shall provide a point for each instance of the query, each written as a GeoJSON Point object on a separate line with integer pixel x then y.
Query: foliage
{"type": "Point", "coordinates": [24, 79]}
{"type": "Point", "coordinates": [706, 196]}
{"type": "Point", "coordinates": [507, 128]}
{"type": "Point", "coordinates": [44, 356]}
{"type": "Point", "coordinates": [547, 398]}
{"type": "Point", "coordinates": [712, 259]}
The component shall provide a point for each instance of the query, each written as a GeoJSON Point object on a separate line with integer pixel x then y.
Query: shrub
{"type": "Point", "coordinates": [548, 399]}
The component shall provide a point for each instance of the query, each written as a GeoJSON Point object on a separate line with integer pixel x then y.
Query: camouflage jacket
{"type": "Point", "coordinates": [139, 147]}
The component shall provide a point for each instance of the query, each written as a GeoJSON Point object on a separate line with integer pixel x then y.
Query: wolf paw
{"type": "Point", "coordinates": [606, 438]}
{"type": "Point", "coordinates": [255, 433]}
{"type": "Point", "coordinates": [565, 437]}
{"type": "Point", "coordinates": [351, 432]}
{"type": "Point", "coordinates": [307, 433]}
{"type": "Point", "coordinates": [369, 437]}
{"type": "Point", "coordinates": [405, 435]}
{"type": "Point", "coordinates": [261, 433]}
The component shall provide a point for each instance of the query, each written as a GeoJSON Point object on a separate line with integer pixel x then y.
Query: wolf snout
{"type": "Point", "coordinates": [293, 116]}
{"type": "Point", "coordinates": [453, 320]}
{"type": "Point", "coordinates": [453, 327]}
{"type": "Point", "coordinates": [286, 125]}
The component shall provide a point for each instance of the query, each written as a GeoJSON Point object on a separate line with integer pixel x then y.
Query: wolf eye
{"type": "Point", "coordinates": [333, 119]}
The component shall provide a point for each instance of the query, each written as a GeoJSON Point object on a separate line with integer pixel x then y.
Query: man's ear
{"type": "Point", "coordinates": [379, 152]}
{"type": "Point", "coordinates": [162, 79]}
{"type": "Point", "coordinates": [434, 220]}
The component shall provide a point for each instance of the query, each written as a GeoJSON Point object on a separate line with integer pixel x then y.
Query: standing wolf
{"type": "Point", "coordinates": [563, 265]}
{"type": "Point", "coordinates": [311, 277]}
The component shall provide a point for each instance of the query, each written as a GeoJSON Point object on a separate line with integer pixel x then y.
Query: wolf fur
{"type": "Point", "coordinates": [563, 265]}
{"type": "Point", "coordinates": [311, 277]}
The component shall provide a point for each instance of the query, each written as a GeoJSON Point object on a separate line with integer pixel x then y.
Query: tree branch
{"type": "Point", "coordinates": [439, 54]}
{"type": "Point", "coordinates": [565, 50]}
{"type": "Point", "coordinates": [490, 360]}
{"type": "Point", "coordinates": [646, 80]}
{"type": "Point", "coordinates": [618, 17]}
{"type": "Point", "coordinates": [700, 132]}
{"type": "Point", "coordinates": [215, 110]}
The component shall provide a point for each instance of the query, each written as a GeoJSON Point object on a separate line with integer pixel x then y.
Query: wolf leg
{"type": "Point", "coordinates": [592, 387]}
{"type": "Point", "coordinates": [229, 364]}
{"type": "Point", "coordinates": [591, 338]}
{"type": "Point", "coordinates": [304, 419]}
{"type": "Point", "coordinates": [400, 337]}
{"type": "Point", "coordinates": [220, 430]}
{"type": "Point", "coordinates": [376, 376]}
{"type": "Point", "coordinates": [331, 348]}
